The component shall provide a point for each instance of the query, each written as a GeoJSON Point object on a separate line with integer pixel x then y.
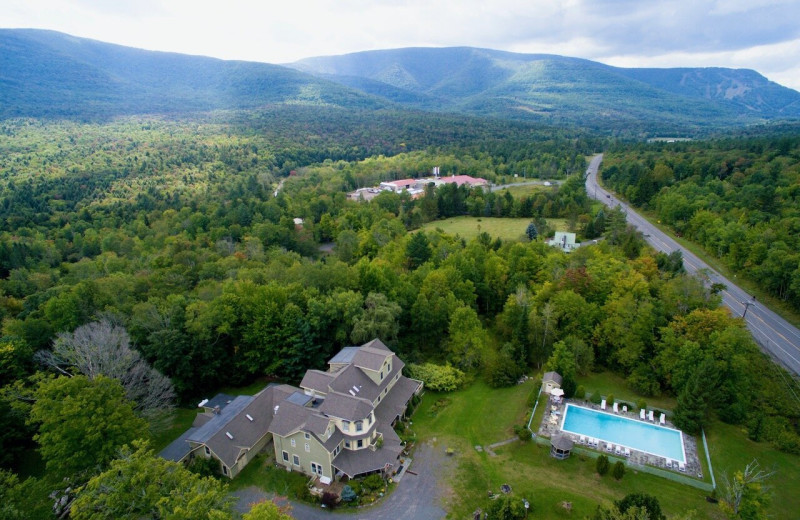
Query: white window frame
{"type": "Point", "coordinates": [208, 451]}
{"type": "Point", "coordinates": [285, 456]}
{"type": "Point", "coordinates": [360, 443]}
{"type": "Point", "coordinates": [359, 426]}
{"type": "Point", "coordinates": [308, 448]}
{"type": "Point", "coordinates": [306, 435]}
{"type": "Point", "coordinates": [224, 469]}
{"type": "Point", "coordinates": [295, 459]}
{"type": "Point", "coordinates": [293, 443]}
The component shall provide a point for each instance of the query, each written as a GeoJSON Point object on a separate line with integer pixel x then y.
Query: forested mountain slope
{"type": "Point", "coordinates": [558, 88]}
{"type": "Point", "coordinates": [51, 74]}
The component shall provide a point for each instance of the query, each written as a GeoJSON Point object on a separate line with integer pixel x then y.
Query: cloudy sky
{"type": "Point", "coordinates": [759, 34]}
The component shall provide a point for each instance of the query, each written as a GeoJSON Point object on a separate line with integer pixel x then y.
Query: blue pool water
{"type": "Point", "coordinates": [630, 433]}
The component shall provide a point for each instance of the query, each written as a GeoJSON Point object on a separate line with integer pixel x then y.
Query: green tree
{"type": "Point", "coordinates": [602, 465]}
{"type": "Point", "coordinates": [619, 470]}
{"type": "Point", "coordinates": [418, 250]}
{"type": "Point", "coordinates": [82, 423]}
{"type": "Point", "coordinates": [531, 232]}
{"type": "Point", "coordinates": [268, 510]}
{"type": "Point", "coordinates": [506, 507]}
{"type": "Point", "coordinates": [644, 501]}
{"type": "Point", "coordinates": [441, 378]}
{"type": "Point", "coordinates": [466, 341]}
{"type": "Point", "coordinates": [140, 484]}
{"type": "Point", "coordinates": [379, 320]}
{"type": "Point", "coordinates": [745, 495]}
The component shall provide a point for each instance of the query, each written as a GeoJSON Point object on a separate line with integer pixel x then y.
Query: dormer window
{"type": "Point", "coordinates": [359, 426]}
{"type": "Point", "coordinates": [346, 426]}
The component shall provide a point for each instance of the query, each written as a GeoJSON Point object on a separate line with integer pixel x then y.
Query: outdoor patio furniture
{"type": "Point", "coordinates": [625, 408]}
{"type": "Point", "coordinates": [603, 404]}
{"type": "Point", "coordinates": [663, 419]}
{"type": "Point", "coordinates": [627, 452]}
{"type": "Point", "coordinates": [641, 414]}
{"type": "Point", "coordinates": [616, 408]}
{"type": "Point", "coordinates": [651, 416]}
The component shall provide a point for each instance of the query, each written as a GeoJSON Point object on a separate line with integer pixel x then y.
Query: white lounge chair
{"type": "Point", "coordinates": [627, 452]}
{"type": "Point", "coordinates": [603, 404]}
{"type": "Point", "coordinates": [609, 447]}
{"type": "Point", "coordinates": [669, 464]}
{"type": "Point", "coordinates": [663, 419]}
{"type": "Point", "coordinates": [651, 416]}
{"type": "Point", "coordinates": [616, 408]}
{"type": "Point", "coordinates": [641, 414]}
{"type": "Point", "coordinates": [625, 408]}
{"type": "Point", "coordinates": [617, 450]}
{"type": "Point", "coordinates": [583, 439]}
{"type": "Point", "coordinates": [682, 466]}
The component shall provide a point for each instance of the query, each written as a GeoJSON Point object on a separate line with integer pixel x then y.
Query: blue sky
{"type": "Point", "coordinates": [761, 35]}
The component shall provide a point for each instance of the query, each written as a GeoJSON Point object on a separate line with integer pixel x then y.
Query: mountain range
{"type": "Point", "coordinates": [50, 74]}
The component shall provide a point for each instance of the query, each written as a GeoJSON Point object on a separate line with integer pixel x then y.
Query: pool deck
{"type": "Point", "coordinates": [552, 421]}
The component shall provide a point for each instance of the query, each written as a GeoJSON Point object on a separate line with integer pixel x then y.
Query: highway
{"type": "Point", "coordinates": [776, 336]}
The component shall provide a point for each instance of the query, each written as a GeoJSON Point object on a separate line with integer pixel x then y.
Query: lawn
{"type": "Point", "coordinates": [731, 451]}
{"type": "Point", "coordinates": [480, 415]}
{"type": "Point", "coordinates": [505, 228]}
{"type": "Point", "coordinates": [526, 190]}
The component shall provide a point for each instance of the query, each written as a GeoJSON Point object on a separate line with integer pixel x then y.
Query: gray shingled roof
{"type": "Point", "coordinates": [345, 355]}
{"type": "Point", "coordinates": [345, 406]}
{"type": "Point", "coordinates": [362, 461]}
{"type": "Point", "coordinates": [394, 404]}
{"type": "Point", "coordinates": [227, 414]}
{"type": "Point", "coordinates": [221, 400]}
{"type": "Point", "coordinates": [370, 358]}
{"type": "Point", "coordinates": [246, 432]}
{"type": "Point", "coordinates": [353, 376]}
{"type": "Point", "coordinates": [561, 442]}
{"type": "Point", "coordinates": [317, 380]}
{"type": "Point", "coordinates": [179, 448]}
{"type": "Point", "coordinates": [552, 376]}
{"type": "Point", "coordinates": [289, 418]}
{"type": "Point", "coordinates": [377, 344]}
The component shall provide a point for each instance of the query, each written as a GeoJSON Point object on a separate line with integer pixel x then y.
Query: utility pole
{"type": "Point", "coordinates": [746, 306]}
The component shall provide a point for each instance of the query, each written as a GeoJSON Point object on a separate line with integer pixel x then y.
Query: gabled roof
{"type": "Point", "coordinates": [344, 356]}
{"type": "Point", "coordinates": [346, 407]}
{"type": "Point", "coordinates": [240, 425]}
{"type": "Point", "coordinates": [221, 420]}
{"type": "Point", "coordinates": [317, 380]}
{"type": "Point", "coordinates": [552, 376]}
{"type": "Point", "coordinates": [179, 448]}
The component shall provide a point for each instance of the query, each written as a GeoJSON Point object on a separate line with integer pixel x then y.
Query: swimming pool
{"type": "Point", "coordinates": [630, 433]}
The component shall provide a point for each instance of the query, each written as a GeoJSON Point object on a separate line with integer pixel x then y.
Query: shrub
{"type": "Point", "coordinates": [602, 465]}
{"type": "Point", "coordinates": [372, 483]}
{"type": "Point", "coordinates": [619, 470]}
{"type": "Point", "coordinates": [206, 467]}
{"type": "Point", "coordinates": [506, 507]}
{"type": "Point", "coordinates": [596, 398]}
{"type": "Point", "coordinates": [610, 399]}
{"type": "Point", "coordinates": [580, 392]}
{"type": "Point", "coordinates": [643, 501]}
{"type": "Point", "coordinates": [348, 495]}
{"type": "Point", "coordinates": [641, 404]}
{"type": "Point", "coordinates": [440, 378]}
{"type": "Point", "coordinates": [522, 432]}
{"type": "Point", "coordinates": [330, 499]}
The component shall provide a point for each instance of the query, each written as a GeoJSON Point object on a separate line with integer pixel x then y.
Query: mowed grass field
{"type": "Point", "coordinates": [480, 415]}
{"type": "Point", "coordinates": [505, 228]}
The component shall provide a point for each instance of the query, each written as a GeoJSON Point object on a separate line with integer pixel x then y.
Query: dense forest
{"type": "Point", "coordinates": [173, 241]}
{"type": "Point", "coordinates": [738, 198]}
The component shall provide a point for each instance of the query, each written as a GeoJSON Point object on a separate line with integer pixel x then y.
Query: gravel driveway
{"type": "Point", "coordinates": [417, 497]}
